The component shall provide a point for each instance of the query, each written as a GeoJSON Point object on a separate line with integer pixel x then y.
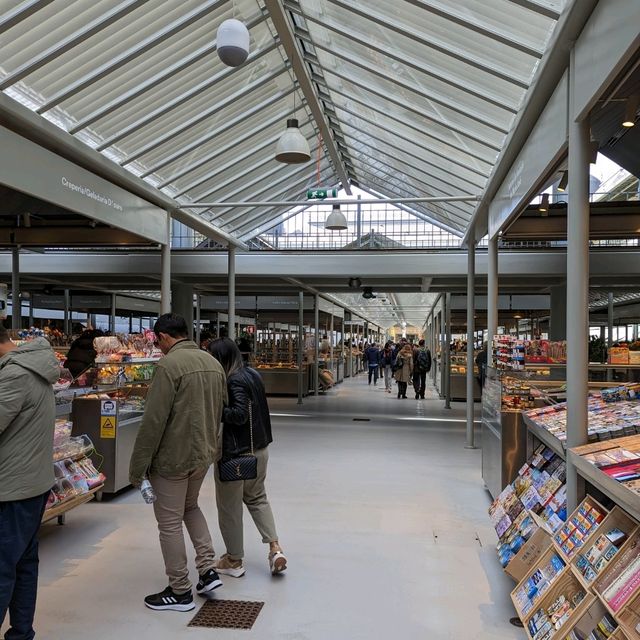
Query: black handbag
{"type": "Point", "coordinates": [242, 467]}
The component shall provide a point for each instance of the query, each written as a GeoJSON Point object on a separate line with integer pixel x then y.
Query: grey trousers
{"type": "Point", "coordinates": [230, 496]}
{"type": "Point", "coordinates": [177, 502]}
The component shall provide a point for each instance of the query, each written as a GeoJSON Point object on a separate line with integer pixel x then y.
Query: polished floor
{"type": "Point", "coordinates": [384, 522]}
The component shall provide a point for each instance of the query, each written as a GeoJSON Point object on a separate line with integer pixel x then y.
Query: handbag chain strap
{"type": "Point", "coordinates": [251, 424]}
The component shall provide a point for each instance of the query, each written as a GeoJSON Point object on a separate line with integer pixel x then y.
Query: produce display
{"type": "Point", "coordinates": [126, 348]}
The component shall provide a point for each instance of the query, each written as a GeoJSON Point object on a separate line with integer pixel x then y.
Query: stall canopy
{"type": "Point", "coordinates": [407, 98]}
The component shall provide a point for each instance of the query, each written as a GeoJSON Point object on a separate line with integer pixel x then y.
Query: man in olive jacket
{"type": "Point", "coordinates": [27, 419]}
{"type": "Point", "coordinates": [179, 439]}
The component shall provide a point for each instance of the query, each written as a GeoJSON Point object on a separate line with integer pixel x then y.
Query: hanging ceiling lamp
{"type": "Point", "coordinates": [336, 220]}
{"type": "Point", "coordinates": [292, 147]}
{"type": "Point", "coordinates": [232, 42]}
{"type": "Point", "coordinates": [630, 112]}
{"type": "Point", "coordinates": [543, 207]}
{"type": "Point", "coordinates": [564, 181]}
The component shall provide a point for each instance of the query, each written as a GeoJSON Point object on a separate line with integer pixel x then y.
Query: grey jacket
{"type": "Point", "coordinates": [27, 419]}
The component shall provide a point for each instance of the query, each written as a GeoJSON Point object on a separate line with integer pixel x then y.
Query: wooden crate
{"type": "Point", "coordinates": [567, 585]}
{"type": "Point", "coordinates": [629, 617]}
{"type": "Point", "coordinates": [590, 619]}
{"type": "Point", "coordinates": [619, 634]}
{"type": "Point", "coordinates": [528, 555]}
{"type": "Point", "coordinates": [542, 561]}
{"type": "Point", "coordinates": [629, 551]}
{"type": "Point", "coordinates": [592, 503]}
{"type": "Point", "coordinates": [617, 518]}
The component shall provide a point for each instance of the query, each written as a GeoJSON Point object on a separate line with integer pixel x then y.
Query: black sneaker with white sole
{"type": "Point", "coordinates": [168, 600]}
{"type": "Point", "coordinates": [208, 582]}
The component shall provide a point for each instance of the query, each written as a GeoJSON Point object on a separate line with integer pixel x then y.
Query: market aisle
{"type": "Point", "coordinates": [384, 523]}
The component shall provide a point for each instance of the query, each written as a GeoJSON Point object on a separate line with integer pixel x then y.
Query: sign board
{"type": "Point", "coordinates": [221, 303]}
{"type": "Point", "coordinates": [152, 307]}
{"type": "Point", "coordinates": [540, 153]}
{"type": "Point", "coordinates": [43, 174]}
{"type": "Point", "coordinates": [41, 301]}
{"type": "Point", "coordinates": [108, 408]}
{"type": "Point", "coordinates": [98, 301]}
{"type": "Point", "coordinates": [284, 303]}
{"type": "Point", "coordinates": [107, 427]}
{"type": "Point", "coordinates": [321, 194]}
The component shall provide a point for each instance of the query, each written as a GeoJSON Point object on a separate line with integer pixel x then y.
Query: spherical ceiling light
{"type": "Point", "coordinates": [292, 147]}
{"type": "Point", "coordinates": [232, 42]}
{"type": "Point", "coordinates": [336, 220]}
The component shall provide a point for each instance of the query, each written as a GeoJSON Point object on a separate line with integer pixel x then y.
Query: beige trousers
{"type": "Point", "coordinates": [230, 496]}
{"type": "Point", "coordinates": [177, 503]}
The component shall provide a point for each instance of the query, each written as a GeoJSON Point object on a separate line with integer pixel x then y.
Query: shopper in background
{"type": "Point", "coordinates": [481, 363]}
{"type": "Point", "coordinates": [404, 369]}
{"type": "Point", "coordinates": [247, 410]}
{"type": "Point", "coordinates": [421, 366]}
{"type": "Point", "coordinates": [179, 439]}
{"type": "Point", "coordinates": [387, 361]}
{"type": "Point", "coordinates": [372, 358]}
{"type": "Point", "coordinates": [27, 418]}
{"type": "Point", "coordinates": [81, 354]}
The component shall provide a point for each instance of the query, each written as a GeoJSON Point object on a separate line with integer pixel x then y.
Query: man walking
{"type": "Point", "coordinates": [421, 366]}
{"type": "Point", "coordinates": [179, 439]}
{"type": "Point", "coordinates": [27, 419]}
{"type": "Point", "coordinates": [372, 357]}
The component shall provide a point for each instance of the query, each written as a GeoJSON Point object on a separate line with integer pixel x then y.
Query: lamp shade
{"type": "Point", "coordinates": [292, 147]}
{"type": "Point", "coordinates": [232, 42]}
{"type": "Point", "coordinates": [336, 220]}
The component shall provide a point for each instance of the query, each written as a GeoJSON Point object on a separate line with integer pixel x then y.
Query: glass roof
{"type": "Point", "coordinates": [419, 96]}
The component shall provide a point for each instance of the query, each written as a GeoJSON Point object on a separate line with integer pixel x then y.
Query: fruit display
{"type": "Point", "coordinates": [126, 348]}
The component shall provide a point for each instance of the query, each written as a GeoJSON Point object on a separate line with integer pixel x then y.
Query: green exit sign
{"type": "Point", "coordinates": [321, 194]}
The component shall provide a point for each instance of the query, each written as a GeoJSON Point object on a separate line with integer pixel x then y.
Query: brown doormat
{"type": "Point", "coordinates": [227, 614]}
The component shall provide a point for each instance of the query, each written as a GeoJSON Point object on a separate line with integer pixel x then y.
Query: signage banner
{"type": "Point", "coordinates": [97, 301]}
{"type": "Point", "coordinates": [42, 301]}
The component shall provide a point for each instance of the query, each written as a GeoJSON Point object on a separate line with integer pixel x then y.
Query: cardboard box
{"type": "Point", "coordinates": [535, 546]}
{"type": "Point", "coordinates": [619, 355]}
{"type": "Point", "coordinates": [634, 357]}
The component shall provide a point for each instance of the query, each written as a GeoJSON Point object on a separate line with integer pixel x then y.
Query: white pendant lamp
{"type": "Point", "coordinates": [232, 42]}
{"type": "Point", "coordinates": [336, 220]}
{"type": "Point", "coordinates": [292, 147]}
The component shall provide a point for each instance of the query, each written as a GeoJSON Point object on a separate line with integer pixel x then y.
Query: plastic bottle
{"type": "Point", "coordinates": [148, 494]}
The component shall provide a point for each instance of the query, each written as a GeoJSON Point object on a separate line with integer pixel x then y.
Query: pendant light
{"type": "Point", "coordinates": [564, 181]}
{"type": "Point", "coordinates": [293, 147]}
{"type": "Point", "coordinates": [630, 112]}
{"type": "Point", "coordinates": [336, 220]}
{"type": "Point", "coordinates": [543, 207]}
{"type": "Point", "coordinates": [232, 42]}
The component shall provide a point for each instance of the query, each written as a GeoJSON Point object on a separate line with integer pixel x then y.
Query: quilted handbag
{"type": "Point", "coordinates": [242, 467]}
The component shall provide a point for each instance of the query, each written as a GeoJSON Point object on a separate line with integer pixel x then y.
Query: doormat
{"type": "Point", "coordinates": [227, 614]}
{"type": "Point", "coordinates": [362, 419]}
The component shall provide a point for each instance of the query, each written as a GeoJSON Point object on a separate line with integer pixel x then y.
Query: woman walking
{"type": "Point", "coordinates": [247, 411]}
{"type": "Point", "coordinates": [387, 363]}
{"type": "Point", "coordinates": [404, 369]}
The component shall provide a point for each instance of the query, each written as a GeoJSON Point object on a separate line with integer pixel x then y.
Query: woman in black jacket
{"type": "Point", "coordinates": [245, 389]}
{"type": "Point", "coordinates": [81, 354]}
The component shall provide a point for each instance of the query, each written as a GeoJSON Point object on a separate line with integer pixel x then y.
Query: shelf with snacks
{"type": "Point", "coordinates": [629, 618]}
{"type": "Point", "coordinates": [77, 479]}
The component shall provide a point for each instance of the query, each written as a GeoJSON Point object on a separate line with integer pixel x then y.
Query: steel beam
{"type": "Point", "coordinates": [231, 311]}
{"type": "Point", "coordinates": [24, 10]}
{"type": "Point", "coordinates": [166, 107]}
{"type": "Point", "coordinates": [74, 39]}
{"type": "Point", "coordinates": [492, 296]}
{"type": "Point", "coordinates": [300, 345]}
{"type": "Point", "coordinates": [165, 272]}
{"type": "Point", "coordinates": [71, 236]}
{"type": "Point", "coordinates": [471, 282]}
{"type": "Point", "coordinates": [542, 9]}
{"type": "Point", "coordinates": [283, 27]}
{"type": "Point", "coordinates": [130, 54]}
{"type": "Point", "coordinates": [431, 42]}
{"type": "Point", "coordinates": [16, 301]}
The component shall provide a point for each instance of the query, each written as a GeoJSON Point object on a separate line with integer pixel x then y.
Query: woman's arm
{"type": "Point", "coordinates": [237, 412]}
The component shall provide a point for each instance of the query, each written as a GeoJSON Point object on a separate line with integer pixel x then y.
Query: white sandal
{"type": "Point", "coordinates": [277, 562]}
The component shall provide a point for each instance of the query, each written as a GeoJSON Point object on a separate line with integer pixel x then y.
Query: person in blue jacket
{"type": "Point", "coordinates": [372, 357]}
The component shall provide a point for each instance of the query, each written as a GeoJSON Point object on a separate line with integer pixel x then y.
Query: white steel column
{"type": "Point", "coordinates": [610, 327]}
{"type": "Point", "coordinates": [68, 328]}
{"type": "Point", "coordinates": [300, 344]}
{"type": "Point", "coordinates": [492, 297]}
{"type": "Point", "coordinates": [198, 330]}
{"type": "Point", "coordinates": [446, 357]}
{"type": "Point", "coordinates": [16, 302]}
{"type": "Point", "coordinates": [112, 318]}
{"type": "Point", "coordinates": [165, 279]}
{"type": "Point", "coordinates": [471, 280]}
{"type": "Point", "coordinates": [231, 323]}
{"type": "Point", "coordinates": [331, 337]}
{"type": "Point", "coordinates": [316, 364]}
{"type": "Point", "coordinates": [577, 293]}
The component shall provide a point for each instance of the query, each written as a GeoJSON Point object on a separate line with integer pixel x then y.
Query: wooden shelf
{"type": "Point", "coordinates": [628, 500]}
{"type": "Point", "coordinates": [629, 617]}
{"type": "Point", "coordinates": [619, 634]}
{"type": "Point", "coordinates": [60, 510]}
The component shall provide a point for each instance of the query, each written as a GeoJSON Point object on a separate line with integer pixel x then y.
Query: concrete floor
{"type": "Point", "coordinates": [384, 523]}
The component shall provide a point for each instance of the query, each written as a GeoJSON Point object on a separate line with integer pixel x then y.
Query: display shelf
{"type": "Point", "coordinates": [628, 553]}
{"type": "Point", "coordinates": [616, 519]}
{"type": "Point", "coordinates": [127, 362]}
{"type": "Point", "coordinates": [60, 510]}
{"type": "Point", "coordinates": [566, 585]}
{"type": "Point", "coordinates": [545, 436]}
{"type": "Point", "coordinates": [619, 634]}
{"type": "Point", "coordinates": [628, 500]}
{"type": "Point", "coordinates": [542, 562]}
{"type": "Point", "coordinates": [629, 618]}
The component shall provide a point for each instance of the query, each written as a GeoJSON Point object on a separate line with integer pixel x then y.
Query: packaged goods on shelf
{"type": "Point", "coordinates": [592, 562]}
{"type": "Point", "coordinates": [546, 621]}
{"type": "Point", "coordinates": [126, 348]}
{"type": "Point", "coordinates": [527, 594]}
{"type": "Point", "coordinates": [538, 489]}
{"type": "Point", "coordinates": [577, 530]}
{"type": "Point", "coordinates": [604, 629]}
{"type": "Point", "coordinates": [610, 415]}
{"type": "Point", "coordinates": [514, 353]}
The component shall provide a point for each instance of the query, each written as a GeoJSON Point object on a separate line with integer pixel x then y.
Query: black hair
{"type": "Point", "coordinates": [226, 352]}
{"type": "Point", "coordinates": [4, 334]}
{"type": "Point", "coordinates": [421, 343]}
{"type": "Point", "coordinates": [172, 324]}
